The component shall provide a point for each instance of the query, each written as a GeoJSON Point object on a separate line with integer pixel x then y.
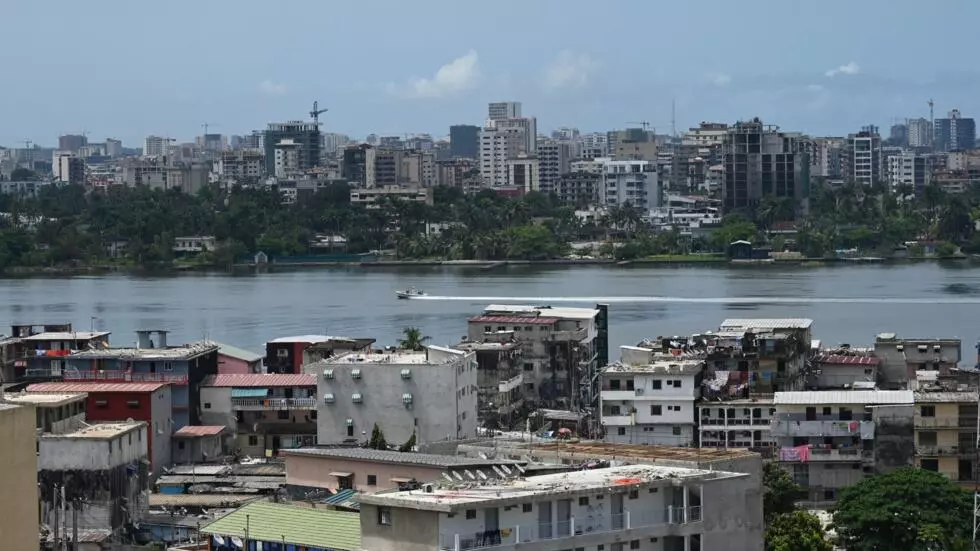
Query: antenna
{"type": "Point", "coordinates": [932, 123]}
{"type": "Point", "coordinates": [673, 117]}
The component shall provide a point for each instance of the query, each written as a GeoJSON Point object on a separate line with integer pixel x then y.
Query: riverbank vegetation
{"type": "Point", "coordinates": [68, 226]}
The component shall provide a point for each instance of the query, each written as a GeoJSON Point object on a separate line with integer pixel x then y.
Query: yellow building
{"type": "Point", "coordinates": [946, 433]}
{"type": "Point", "coordinates": [18, 477]}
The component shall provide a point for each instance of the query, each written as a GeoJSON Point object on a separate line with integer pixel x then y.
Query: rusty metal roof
{"type": "Point", "coordinates": [95, 387]}
{"type": "Point", "coordinates": [515, 320]}
{"type": "Point", "coordinates": [256, 380]}
{"type": "Point", "coordinates": [194, 431]}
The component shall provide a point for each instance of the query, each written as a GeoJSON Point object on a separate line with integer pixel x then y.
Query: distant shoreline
{"type": "Point", "coordinates": [676, 261]}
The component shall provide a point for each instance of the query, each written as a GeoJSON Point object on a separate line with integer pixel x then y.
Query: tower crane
{"type": "Point", "coordinates": [205, 126]}
{"type": "Point", "coordinates": [316, 112]}
{"type": "Point", "coordinates": [643, 124]}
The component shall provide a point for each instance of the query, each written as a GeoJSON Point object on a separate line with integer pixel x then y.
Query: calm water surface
{"type": "Point", "coordinates": [922, 300]}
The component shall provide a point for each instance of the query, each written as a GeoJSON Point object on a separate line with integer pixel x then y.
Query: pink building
{"type": "Point", "coordinates": [234, 360]}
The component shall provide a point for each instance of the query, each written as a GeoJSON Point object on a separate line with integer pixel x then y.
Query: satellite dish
{"type": "Point", "coordinates": [481, 474]}
{"type": "Point", "coordinates": [447, 477]}
{"type": "Point", "coordinates": [469, 474]}
{"type": "Point", "coordinates": [458, 476]}
{"type": "Point", "coordinates": [237, 542]}
{"type": "Point", "coordinates": [219, 540]}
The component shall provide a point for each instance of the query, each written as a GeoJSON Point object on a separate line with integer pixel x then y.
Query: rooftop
{"type": "Point", "coordinates": [238, 353]}
{"type": "Point", "coordinates": [732, 324]}
{"type": "Point", "coordinates": [310, 339]}
{"type": "Point", "coordinates": [959, 397]}
{"type": "Point", "coordinates": [63, 388]}
{"type": "Point", "coordinates": [401, 458]}
{"type": "Point", "coordinates": [482, 346]}
{"type": "Point", "coordinates": [102, 431]}
{"type": "Point", "coordinates": [591, 449]}
{"type": "Point", "coordinates": [66, 336]}
{"type": "Point", "coordinates": [548, 311]}
{"type": "Point", "coordinates": [305, 526]}
{"type": "Point", "coordinates": [45, 400]}
{"type": "Point", "coordinates": [192, 431]}
{"type": "Point", "coordinates": [399, 357]}
{"type": "Point", "coordinates": [200, 500]}
{"type": "Point", "coordinates": [185, 352]}
{"type": "Point", "coordinates": [261, 380]}
{"type": "Point", "coordinates": [847, 359]}
{"type": "Point", "coordinates": [664, 367]}
{"type": "Point", "coordinates": [449, 497]}
{"type": "Point", "coordinates": [515, 320]}
{"type": "Point", "coordinates": [857, 397]}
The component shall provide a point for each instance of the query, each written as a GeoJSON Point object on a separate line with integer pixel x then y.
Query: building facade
{"type": "Point", "coordinates": [863, 160]}
{"type": "Point", "coordinates": [633, 182]}
{"type": "Point", "coordinates": [762, 162]}
{"type": "Point", "coordinates": [306, 136]}
{"type": "Point", "coordinates": [909, 169]}
{"type": "Point", "coordinates": [464, 141]}
{"type": "Point", "coordinates": [498, 144]}
{"type": "Point", "coordinates": [430, 394]}
{"type": "Point", "coordinates": [18, 454]}
{"type": "Point", "coordinates": [955, 133]}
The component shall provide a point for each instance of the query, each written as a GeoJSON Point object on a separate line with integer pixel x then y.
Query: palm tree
{"type": "Point", "coordinates": [414, 340]}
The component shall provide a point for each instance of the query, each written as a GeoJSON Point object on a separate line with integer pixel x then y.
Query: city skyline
{"type": "Point", "coordinates": [422, 69]}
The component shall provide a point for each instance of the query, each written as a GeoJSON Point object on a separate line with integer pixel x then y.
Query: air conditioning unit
{"type": "Point", "coordinates": [356, 398]}
{"type": "Point", "coordinates": [328, 374]}
{"type": "Point", "coordinates": [328, 398]}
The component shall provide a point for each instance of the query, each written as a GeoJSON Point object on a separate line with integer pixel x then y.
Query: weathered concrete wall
{"type": "Point", "coordinates": [894, 444]}
{"type": "Point", "coordinates": [18, 478]}
{"type": "Point", "coordinates": [410, 530]}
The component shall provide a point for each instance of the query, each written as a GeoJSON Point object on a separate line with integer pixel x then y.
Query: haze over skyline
{"type": "Point", "coordinates": [126, 70]}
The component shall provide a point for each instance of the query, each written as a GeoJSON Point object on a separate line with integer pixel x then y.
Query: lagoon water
{"type": "Point", "coordinates": [849, 304]}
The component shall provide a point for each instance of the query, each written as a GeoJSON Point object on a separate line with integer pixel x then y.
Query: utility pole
{"type": "Point", "coordinates": [74, 526]}
{"type": "Point", "coordinates": [64, 517]}
{"type": "Point", "coordinates": [57, 520]}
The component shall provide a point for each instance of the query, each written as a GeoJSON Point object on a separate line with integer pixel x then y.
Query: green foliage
{"type": "Point", "coordinates": [796, 531]}
{"type": "Point", "coordinates": [377, 441]}
{"type": "Point", "coordinates": [409, 444]}
{"type": "Point", "coordinates": [780, 492]}
{"type": "Point", "coordinates": [414, 339]}
{"type": "Point", "coordinates": [21, 174]}
{"type": "Point", "coordinates": [905, 509]}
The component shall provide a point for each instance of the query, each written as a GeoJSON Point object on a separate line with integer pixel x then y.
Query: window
{"type": "Point", "coordinates": [133, 404]}
{"type": "Point", "coordinates": [253, 440]}
{"type": "Point", "coordinates": [927, 411]}
{"type": "Point", "coordinates": [658, 384]}
{"type": "Point", "coordinates": [528, 366]}
{"type": "Point", "coordinates": [526, 507]}
{"type": "Point", "coordinates": [384, 516]}
{"type": "Point", "coordinates": [583, 501]}
{"type": "Point", "coordinates": [470, 514]}
{"type": "Point", "coordinates": [677, 383]}
{"type": "Point", "coordinates": [656, 410]}
{"type": "Point", "coordinates": [350, 431]}
{"type": "Point", "coordinates": [207, 405]}
{"type": "Point", "coordinates": [635, 544]}
{"type": "Point", "coordinates": [676, 431]}
{"type": "Point", "coordinates": [168, 366]}
{"type": "Point", "coordinates": [634, 494]}
{"type": "Point", "coordinates": [621, 431]}
{"type": "Point", "coordinates": [927, 438]}
{"type": "Point", "coordinates": [614, 384]}
{"type": "Point", "coordinates": [130, 439]}
{"type": "Point", "coordinates": [283, 414]}
{"type": "Point", "coordinates": [372, 480]}
{"type": "Point", "coordinates": [180, 445]}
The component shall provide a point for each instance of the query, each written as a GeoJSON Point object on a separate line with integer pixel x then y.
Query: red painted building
{"type": "Point", "coordinates": [108, 402]}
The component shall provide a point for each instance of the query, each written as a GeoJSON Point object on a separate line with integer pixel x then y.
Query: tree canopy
{"type": "Point", "coordinates": [796, 531]}
{"type": "Point", "coordinates": [414, 339]}
{"type": "Point", "coordinates": [780, 492]}
{"type": "Point", "coordinates": [377, 441]}
{"type": "Point", "coordinates": [911, 508]}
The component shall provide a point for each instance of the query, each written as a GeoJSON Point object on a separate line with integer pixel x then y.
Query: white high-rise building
{"type": "Point", "coordinates": [634, 182]}
{"type": "Point", "coordinates": [500, 110]}
{"type": "Point", "coordinates": [498, 144]}
{"type": "Point", "coordinates": [530, 127]}
{"type": "Point", "coordinates": [920, 133]}
{"type": "Point", "coordinates": [155, 146]}
{"type": "Point", "coordinates": [909, 169]}
{"type": "Point", "coordinates": [524, 171]}
{"type": "Point", "coordinates": [554, 157]}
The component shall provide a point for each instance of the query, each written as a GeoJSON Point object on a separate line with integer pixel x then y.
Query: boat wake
{"type": "Point", "coordinates": [707, 300]}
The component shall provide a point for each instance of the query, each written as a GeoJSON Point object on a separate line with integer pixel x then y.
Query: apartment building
{"type": "Point", "coordinates": [371, 197]}
{"type": "Point", "coordinates": [498, 144]}
{"type": "Point", "coordinates": [239, 164]}
{"type": "Point", "coordinates": [580, 188]}
{"type": "Point", "coordinates": [431, 394]}
{"type": "Point", "coordinates": [18, 478]}
{"type": "Point", "coordinates": [649, 398]}
{"type": "Point", "coordinates": [737, 423]}
{"type": "Point", "coordinates": [55, 413]}
{"type": "Point", "coordinates": [562, 349]}
{"type": "Point", "coordinates": [554, 158]}
{"type": "Point", "coordinates": [265, 412]}
{"type": "Point", "coordinates": [825, 157]}
{"type": "Point", "coordinates": [863, 160]}
{"type": "Point", "coordinates": [306, 137]}
{"type": "Point", "coordinates": [637, 507]}
{"type": "Point", "coordinates": [633, 182]}
{"type": "Point", "coordinates": [766, 355]}
{"type": "Point", "coordinates": [831, 439]}
{"type": "Point", "coordinates": [523, 172]}
{"type": "Point", "coordinates": [955, 132]}
{"type": "Point", "coordinates": [762, 162]}
{"type": "Point", "coordinates": [500, 379]}
{"type": "Point", "coordinates": [902, 358]}
{"type": "Point", "coordinates": [500, 110]}
{"type": "Point", "coordinates": [909, 169]}
{"type": "Point", "coordinates": [946, 433]}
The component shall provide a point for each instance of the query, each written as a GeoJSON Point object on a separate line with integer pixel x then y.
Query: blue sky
{"type": "Point", "coordinates": [126, 68]}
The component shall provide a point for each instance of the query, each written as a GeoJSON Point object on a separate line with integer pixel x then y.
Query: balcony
{"type": "Point", "coordinates": [125, 377]}
{"type": "Point", "coordinates": [261, 404]}
{"type": "Point", "coordinates": [572, 528]}
{"type": "Point", "coordinates": [946, 451]}
{"type": "Point", "coordinates": [619, 394]}
{"type": "Point", "coordinates": [617, 420]}
{"type": "Point", "coordinates": [945, 422]}
{"type": "Point", "coordinates": [759, 422]}
{"type": "Point", "coordinates": [510, 384]}
{"type": "Point", "coordinates": [788, 428]}
{"type": "Point", "coordinates": [823, 455]}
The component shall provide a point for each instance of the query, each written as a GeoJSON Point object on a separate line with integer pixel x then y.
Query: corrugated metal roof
{"type": "Point", "coordinates": [514, 320]}
{"type": "Point", "coordinates": [310, 339]}
{"type": "Point", "coordinates": [858, 397]}
{"type": "Point", "coordinates": [766, 323]}
{"type": "Point", "coordinates": [238, 353]}
{"type": "Point", "coordinates": [306, 526]}
{"type": "Point", "coordinates": [841, 359]}
{"type": "Point", "coordinates": [340, 497]}
{"type": "Point", "coordinates": [249, 392]}
{"type": "Point", "coordinates": [261, 380]}
{"type": "Point", "coordinates": [193, 431]}
{"type": "Point", "coordinates": [401, 458]}
{"type": "Point", "coordinates": [95, 387]}
{"type": "Point", "coordinates": [201, 500]}
{"type": "Point", "coordinates": [961, 397]}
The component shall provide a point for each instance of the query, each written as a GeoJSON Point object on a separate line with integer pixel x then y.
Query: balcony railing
{"type": "Point", "coordinates": [946, 451]}
{"type": "Point", "coordinates": [829, 429]}
{"type": "Point", "coordinates": [125, 377]}
{"type": "Point", "coordinates": [821, 455]}
{"type": "Point", "coordinates": [964, 422]}
{"type": "Point", "coordinates": [571, 528]}
{"type": "Point", "coordinates": [257, 404]}
{"type": "Point", "coordinates": [736, 422]}
{"type": "Point", "coordinates": [805, 417]}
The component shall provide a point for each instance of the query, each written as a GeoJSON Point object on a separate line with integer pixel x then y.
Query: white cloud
{"type": "Point", "coordinates": [272, 88]}
{"type": "Point", "coordinates": [569, 70]}
{"type": "Point", "coordinates": [459, 75]}
{"type": "Point", "coordinates": [851, 68]}
{"type": "Point", "coordinates": [720, 79]}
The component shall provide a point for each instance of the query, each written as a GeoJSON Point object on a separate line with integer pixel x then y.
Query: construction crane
{"type": "Point", "coordinates": [205, 126]}
{"type": "Point", "coordinates": [316, 112]}
{"type": "Point", "coordinates": [643, 124]}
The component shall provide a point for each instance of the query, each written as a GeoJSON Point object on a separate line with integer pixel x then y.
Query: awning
{"type": "Point", "coordinates": [400, 479]}
{"type": "Point", "coordinates": [340, 475]}
{"type": "Point", "coordinates": [249, 392]}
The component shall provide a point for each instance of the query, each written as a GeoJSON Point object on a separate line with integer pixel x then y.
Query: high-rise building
{"type": "Point", "coordinates": [523, 172]}
{"type": "Point", "coordinates": [955, 133]}
{"type": "Point", "coordinates": [155, 146]}
{"type": "Point", "coordinates": [498, 144]}
{"type": "Point", "coordinates": [632, 182]}
{"type": "Point", "coordinates": [332, 142]}
{"type": "Point", "coordinates": [69, 169]}
{"type": "Point", "coordinates": [530, 127]}
{"type": "Point", "coordinates": [898, 135]}
{"type": "Point", "coordinates": [357, 165]}
{"type": "Point", "coordinates": [72, 142]}
{"type": "Point", "coordinates": [862, 160]}
{"type": "Point", "coordinates": [504, 110]}
{"type": "Point", "coordinates": [760, 162]}
{"type": "Point", "coordinates": [464, 141]}
{"type": "Point", "coordinates": [306, 135]}
{"type": "Point", "coordinates": [825, 157]}
{"type": "Point", "coordinates": [909, 169]}
{"type": "Point", "coordinates": [554, 157]}
{"type": "Point", "coordinates": [113, 148]}
{"type": "Point", "coordinates": [919, 133]}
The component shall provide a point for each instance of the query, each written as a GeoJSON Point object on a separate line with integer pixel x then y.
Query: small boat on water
{"type": "Point", "coordinates": [411, 292]}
